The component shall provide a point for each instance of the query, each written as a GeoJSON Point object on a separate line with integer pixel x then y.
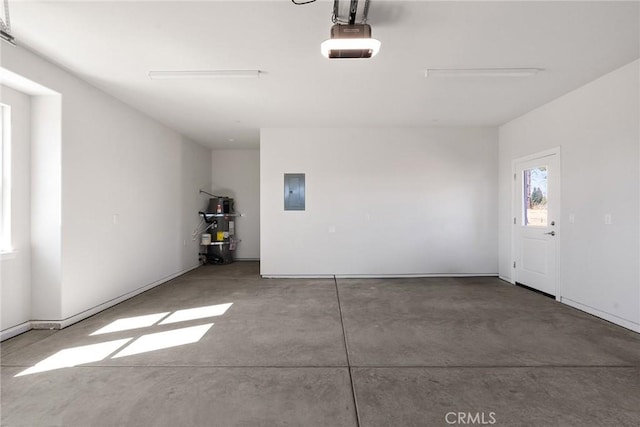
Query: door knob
{"type": "Point", "coordinates": [551, 233]}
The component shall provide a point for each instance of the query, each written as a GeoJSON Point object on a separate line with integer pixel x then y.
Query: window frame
{"type": "Point", "coordinates": [6, 243]}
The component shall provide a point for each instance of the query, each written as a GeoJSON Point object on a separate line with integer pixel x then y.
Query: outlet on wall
{"type": "Point", "coordinates": [607, 219]}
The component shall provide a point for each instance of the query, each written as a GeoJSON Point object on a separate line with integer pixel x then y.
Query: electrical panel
{"type": "Point", "coordinates": [294, 192]}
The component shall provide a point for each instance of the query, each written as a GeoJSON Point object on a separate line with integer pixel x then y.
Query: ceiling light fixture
{"type": "Point", "coordinates": [348, 38]}
{"type": "Point", "coordinates": [204, 74]}
{"type": "Point", "coordinates": [481, 72]}
{"type": "Point", "coordinates": [350, 41]}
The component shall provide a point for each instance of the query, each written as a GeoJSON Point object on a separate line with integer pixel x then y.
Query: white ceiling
{"type": "Point", "coordinates": [114, 44]}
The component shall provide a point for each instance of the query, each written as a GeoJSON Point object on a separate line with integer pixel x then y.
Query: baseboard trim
{"type": "Point", "coordinates": [635, 327]}
{"type": "Point", "coordinates": [506, 279]}
{"type": "Point", "coordinates": [400, 276]}
{"type": "Point", "coordinates": [372, 276]}
{"type": "Point", "coordinates": [297, 276]}
{"type": "Point", "coordinates": [15, 330]}
{"type": "Point", "coordinates": [61, 324]}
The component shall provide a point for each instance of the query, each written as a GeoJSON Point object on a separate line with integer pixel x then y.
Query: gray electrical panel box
{"type": "Point", "coordinates": [293, 191]}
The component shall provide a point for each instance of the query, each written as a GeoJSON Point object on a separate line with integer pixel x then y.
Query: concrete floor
{"type": "Point", "coordinates": [313, 352]}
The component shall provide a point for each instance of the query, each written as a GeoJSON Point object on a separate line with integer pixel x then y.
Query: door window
{"type": "Point", "coordinates": [534, 198]}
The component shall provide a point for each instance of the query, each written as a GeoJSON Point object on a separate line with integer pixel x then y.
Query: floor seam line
{"type": "Point", "coordinates": [488, 366]}
{"type": "Point", "coordinates": [348, 366]}
{"type": "Point", "coordinates": [209, 366]}
{"type": "Point", "coordinates": [346, 350]}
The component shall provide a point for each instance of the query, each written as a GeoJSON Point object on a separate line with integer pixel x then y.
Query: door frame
{"type": "Point", "coordinates": [515, 197]}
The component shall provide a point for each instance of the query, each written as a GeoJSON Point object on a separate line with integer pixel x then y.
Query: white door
{"type": "Point", "coordinates": [536, 213]}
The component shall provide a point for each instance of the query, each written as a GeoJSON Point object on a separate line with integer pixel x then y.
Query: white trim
{"type": "Point", "coordinates": [538, 155]}
{"type": "Point", "coordinates": [506, 279]}
{"type": "Point", "coordinates": [372, 276]}
{"type": "Point", "coordinates": [15, 331]}
{"type": "Point", "coordinates": [400, 276]}
{"type": "Point", "coordinates": [635, 327]}
{"type": "Point", "coordinates": [61, 324]}
{"type": "Point", "coordinates": [8, 255]}
{"type": "Point", "coordinates": [6, 157]}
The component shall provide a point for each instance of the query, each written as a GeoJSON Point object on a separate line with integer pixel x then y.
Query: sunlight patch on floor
{"type": "Point", "coordinates": [167, 339]}
{"type": "Point", "coordinates": [70, 357]}
{"type": "Point", "coordinates": [128, 323]}
{"type": "Point", "coordinates": [196, 313]}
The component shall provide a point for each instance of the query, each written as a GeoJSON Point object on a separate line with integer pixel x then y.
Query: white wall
{"type": "Point", "coordinates": [129, 192]}
{"type": "Point", "coordinates": [597, 128]}
{"type": "Point", "coordinates": [15, 271]}
{"type": "Point", "coordinates": [236, 173]}
{"type": "Point", "coordinates": [401, 201]}
{"type": "Point", "coordinates": [46, 199]}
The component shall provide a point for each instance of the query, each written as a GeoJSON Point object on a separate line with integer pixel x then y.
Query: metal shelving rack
{"type": "Point", "coordinates": [220, 218]}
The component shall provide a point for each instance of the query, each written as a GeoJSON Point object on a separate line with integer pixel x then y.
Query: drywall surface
{"type": "Point", "coordinates": [195, 166]}
{"type": "Point", "coordinates": [46, 199]}
{"type": "Point", "coordinates": [129, 192]}
{"type": "Point", "coordinates": [380, 202]}
{"type": "Point", "coordinates": [236, 173]}
{"type": "Point", "coordinates": [15, 270]}
{"type": "Point", "coordinates": [597, 129]}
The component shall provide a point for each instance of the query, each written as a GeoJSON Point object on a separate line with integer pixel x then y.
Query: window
{"type": "Point", "coordinates": [5, 177]}
{"type": "Point", "coordinates": [535, 197]}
